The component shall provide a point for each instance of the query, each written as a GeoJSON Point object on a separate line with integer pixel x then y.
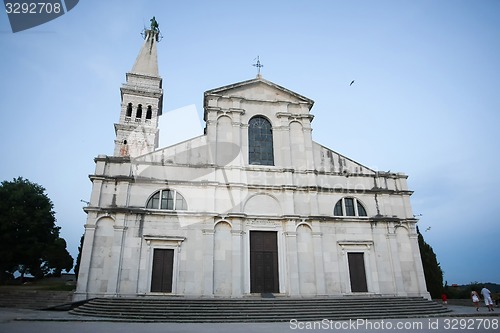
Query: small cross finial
{"type": "Point", "coordinates": [258, 65]}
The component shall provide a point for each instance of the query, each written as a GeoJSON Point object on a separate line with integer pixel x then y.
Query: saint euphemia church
{"type": "Point", "coordinates": [253, 205]}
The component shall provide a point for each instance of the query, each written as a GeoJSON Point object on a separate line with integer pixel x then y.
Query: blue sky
{"type": "Point", "coordinates": [425, 100]}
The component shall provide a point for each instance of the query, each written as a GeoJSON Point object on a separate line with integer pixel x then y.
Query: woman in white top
{"type": "Point", "coordinates": [475, 299]}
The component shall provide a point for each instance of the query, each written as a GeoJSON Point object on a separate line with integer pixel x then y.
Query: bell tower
{"type": "Point", "coordinates": [141, 101]}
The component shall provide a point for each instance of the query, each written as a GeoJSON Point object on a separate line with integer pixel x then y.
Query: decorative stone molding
{"type": "Point", "coordinates": [120, 228]}
{"type": "Point", "coordinates": [263, 223]}
{"type": "Point", "coordinates": [237, 110]}
{"type": "Point", "coordinates": [223, 220]}
{"type": "Point", "coordinates": [167, 240]}
{"type": "Point", "coordinates": [349, 244]}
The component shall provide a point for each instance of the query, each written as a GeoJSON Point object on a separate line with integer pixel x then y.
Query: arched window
{"type": "Point", "coordinates": [260, 141]}
{"type": "Point", "coordinates": [129, 110]}
{"type": "Point", "coordinates": [349, 207]}
{"type": "Point", "coordinates": [361, 209]}
{"type": "Point", "coordinates": [139, 111]}
{"type": "Point", "coordinates": [149, 112]}
{"type": "Point", "coordinates": [167, 200]}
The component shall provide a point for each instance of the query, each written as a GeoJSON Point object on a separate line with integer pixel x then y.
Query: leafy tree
{"type": "Point", "coordinates": [432, 269]}
{"type": "Point", "coordinates": [29, 238]}
{"type": "Point", "coordinates": [57, 258]}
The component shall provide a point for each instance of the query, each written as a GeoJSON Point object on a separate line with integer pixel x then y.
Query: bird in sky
{"type": "Point", "coordinates": [428, 228]}
{"type": "Point", "coordinates": [351, 83]}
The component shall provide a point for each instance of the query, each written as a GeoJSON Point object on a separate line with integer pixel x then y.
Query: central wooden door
{"type": "Point", "coordinates": [163, 264]}
{"type": "Point", "coordinates": [264, 262]}
{"type": "Point", "coordinates": [357, 272]}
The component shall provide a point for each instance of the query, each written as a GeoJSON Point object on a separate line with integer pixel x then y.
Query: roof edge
{"type": "Point", "coordinates": [216, 91]}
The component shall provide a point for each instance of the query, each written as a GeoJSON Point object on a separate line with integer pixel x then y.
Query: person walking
{"type": "Point", "coordinates": [487, 298]}
{"type": "Point", "coordinates": [475, 299]}
{"type": "Point", "coordinates": [444, 298]}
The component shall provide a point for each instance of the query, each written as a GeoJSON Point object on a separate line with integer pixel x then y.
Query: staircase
{"type": "Point", "coordinates": [33, 299]}
{"type": "Point", "coordinates": [182, 310]}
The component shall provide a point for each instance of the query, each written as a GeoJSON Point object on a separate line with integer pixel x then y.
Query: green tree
{"type": "Point", "coordinates": [29, 238]}
{"type": "Point", "coordinates": [432, 269]}
{"type": "Point", "coordinates": [57, 258]}
{"type": "Point", "coordinates": [79, 257]}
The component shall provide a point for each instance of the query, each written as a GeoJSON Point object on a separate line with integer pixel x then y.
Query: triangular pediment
{"type": "Point", "coordinates": [259, 89]}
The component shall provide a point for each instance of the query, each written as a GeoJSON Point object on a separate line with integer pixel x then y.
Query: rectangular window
{"type": "Point", "coordinates": [167, 200]}
{"type": "Point", "coordinates": [349, 207]}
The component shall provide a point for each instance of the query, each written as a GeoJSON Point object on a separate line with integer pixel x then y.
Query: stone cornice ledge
{"type": "Point", "coordinates": [353, 243]}
{"type": "Point", "coordinates": [294, 115]}
{"type": "Point", "coordinates": [165, 238]}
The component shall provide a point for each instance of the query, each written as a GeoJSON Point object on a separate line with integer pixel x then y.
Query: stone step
{"type": "Point", "coordinates": [201, 312]}
{"type": "Point", "coordinates": [33, 299]}
{"type": "Point", "coordinates": [253, 302]}
{"type": "Point", "coordinates": [249, 307]}
{"type": "Point", "coordinates": [257, 310]}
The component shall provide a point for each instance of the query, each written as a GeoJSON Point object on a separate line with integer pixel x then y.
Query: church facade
{"type": "Point", "coordinates": [251, 206]}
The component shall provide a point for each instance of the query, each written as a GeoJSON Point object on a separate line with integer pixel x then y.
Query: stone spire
{"type": "Point", "coordinates": [142, 101]}
{"type": "Point", "coordinates": [147, 60]}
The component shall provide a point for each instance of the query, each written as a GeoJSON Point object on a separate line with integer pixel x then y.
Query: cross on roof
{"type": "Point", "coordinates": [258, 65]}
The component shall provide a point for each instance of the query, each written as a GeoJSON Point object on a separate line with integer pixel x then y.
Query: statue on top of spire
{"type": "Point", "coordinates": [154, 25]}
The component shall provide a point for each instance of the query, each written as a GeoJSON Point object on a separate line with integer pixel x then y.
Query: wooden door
{"type": "Point", "coordinates": [357, 272]}
{"type": "Point", "coordinates": [264, 262]}
{"type": "Point", "coordinates": [163, 264]}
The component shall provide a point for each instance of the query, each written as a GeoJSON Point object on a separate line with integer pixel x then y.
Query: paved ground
{"type": "Point", "coordinates": [460, 319]}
